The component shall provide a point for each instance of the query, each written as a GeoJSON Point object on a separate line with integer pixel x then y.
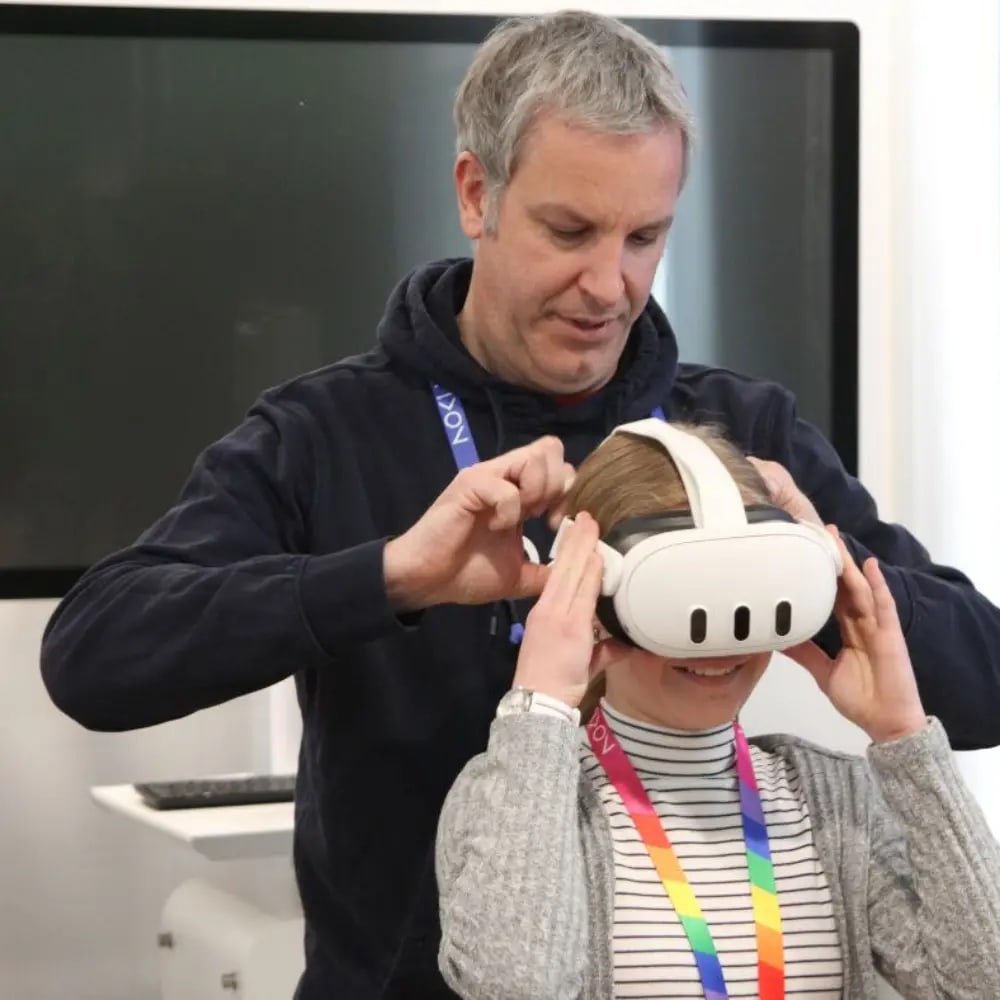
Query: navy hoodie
{"type": "Point", "coordinates": [270, 565]}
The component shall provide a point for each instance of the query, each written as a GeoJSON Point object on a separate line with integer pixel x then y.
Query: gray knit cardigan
{"type": "Point", "coordinates": [526, 877]}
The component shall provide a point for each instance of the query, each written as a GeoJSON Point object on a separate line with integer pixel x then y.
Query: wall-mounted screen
{"type": "Point", "coordinates": [195, 205]}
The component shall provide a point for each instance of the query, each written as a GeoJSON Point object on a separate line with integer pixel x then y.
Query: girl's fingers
{"type": "Point", "coordinates": [589, 588]}
{"type": "Point", "coordinates": [854, 597]}
{"type": "Point", "coordinates": [810, 656]}
{"type": "Point", "coordinates": [853, 606]}
{"type": "Point", "coordinates": [886, 612]}
{"type": "Point", "coordinates": [570, 565]}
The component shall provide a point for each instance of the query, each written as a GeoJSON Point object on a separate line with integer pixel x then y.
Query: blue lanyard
{"type": "Point", "coordinates": [463, 448]}
{"type": "Point", "coordinates": [458, 432]}
{"type": "Point", "coordinates": [456, 427]}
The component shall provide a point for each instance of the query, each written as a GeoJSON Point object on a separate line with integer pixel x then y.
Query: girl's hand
{"type": "Point", "coordinates": [871, 681]}
{"type": "Point", "coordinates": [558, 644]}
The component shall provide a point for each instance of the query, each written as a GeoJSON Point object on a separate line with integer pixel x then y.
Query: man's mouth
{"type": "Point", "coordinates": [589, 325]}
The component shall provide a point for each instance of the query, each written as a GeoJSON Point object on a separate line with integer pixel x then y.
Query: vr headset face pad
{"type": "Point", "coordinates": [685, 592]}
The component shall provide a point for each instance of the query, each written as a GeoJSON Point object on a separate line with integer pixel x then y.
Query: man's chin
{"type": "Point", "coordinates": [573, 379]}
{"type": "Point", "coordinates": [569, 389]}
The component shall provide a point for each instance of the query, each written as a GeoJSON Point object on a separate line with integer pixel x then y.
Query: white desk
{"type": "Point", "coordinates": [219, 833]}
{"type": "Point", "coordinates": [212, 939]}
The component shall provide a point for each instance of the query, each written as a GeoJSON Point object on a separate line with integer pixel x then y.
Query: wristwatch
{"type": "Point", "coordinates": [521, 699]}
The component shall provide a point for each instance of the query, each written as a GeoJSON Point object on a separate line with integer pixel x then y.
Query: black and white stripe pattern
{"type": "Point", "coordinates": [691, 781]}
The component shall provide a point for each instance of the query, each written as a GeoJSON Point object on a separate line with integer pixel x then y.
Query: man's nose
{"type": "Point", "coordinates": [602, 279]}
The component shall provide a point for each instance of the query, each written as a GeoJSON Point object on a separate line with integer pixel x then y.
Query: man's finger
{"type": "Point", "coordinates": [542, 475]}
{"type": "Point", "coordinates": [531, 580]}
{"type": "Point", "coordinates": [558, 478]}
{"type": "Point", "coordinates": [509, 463]}
{"type": "Point", "coordinates": [767, 473]}
{"type": "Point", "coordinates": [784, 491]}
{"type": "Point", "coordinates": [557, 512]}
{"type": "Point", "coordinates": [503, 498]}
{"type": "Point", "coordinates": [556, 515]}
{"type": "Point", "coordinates": [532, 481]}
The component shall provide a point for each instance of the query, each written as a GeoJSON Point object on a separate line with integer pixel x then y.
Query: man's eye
{"type": "Point", "coordinates": [567, 234]}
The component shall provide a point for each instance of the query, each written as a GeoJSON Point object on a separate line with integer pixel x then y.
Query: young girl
{"type": "Point", "coordinates": [656, 854]}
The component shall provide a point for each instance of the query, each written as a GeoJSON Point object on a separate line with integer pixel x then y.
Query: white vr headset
{"type": "Point", "coordinates": [720, 580]}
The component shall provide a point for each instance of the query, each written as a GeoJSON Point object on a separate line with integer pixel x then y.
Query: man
{"type": "Point", "coordinates": [315, 539]}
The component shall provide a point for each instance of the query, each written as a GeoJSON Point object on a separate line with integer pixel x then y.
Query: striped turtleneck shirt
{"type": "Point", "coordinates": [691, 780]}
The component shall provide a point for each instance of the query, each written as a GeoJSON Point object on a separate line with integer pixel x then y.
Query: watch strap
{"type": "Point", "coordinates": [522, 699]}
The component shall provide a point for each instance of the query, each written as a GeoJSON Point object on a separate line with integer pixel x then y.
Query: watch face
{"type": "Point", "coordinates": [516, 700]}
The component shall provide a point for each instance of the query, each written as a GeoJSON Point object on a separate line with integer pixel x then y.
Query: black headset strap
{"type": "Point", "coordinates": [628, 533]}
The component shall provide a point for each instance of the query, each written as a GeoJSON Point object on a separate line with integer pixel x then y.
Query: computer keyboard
{"type": "Point", "coordinates": [194, 793]}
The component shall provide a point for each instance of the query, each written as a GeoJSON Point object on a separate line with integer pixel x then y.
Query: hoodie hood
{"type": "Point", "coordinates": [419, 331]}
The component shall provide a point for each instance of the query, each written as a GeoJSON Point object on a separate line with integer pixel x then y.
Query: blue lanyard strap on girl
{"type": "Point", "coordinates": [463, 448]}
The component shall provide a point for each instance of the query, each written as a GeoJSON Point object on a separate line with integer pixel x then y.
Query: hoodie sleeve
{"type": "Point", "coordinates": [219, 597]}
{"type": "Point", "coordinates": [952, 631]}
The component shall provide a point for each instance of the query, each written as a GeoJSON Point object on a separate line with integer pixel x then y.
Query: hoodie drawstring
{"type": "Point", "coordinates": [497, 415]}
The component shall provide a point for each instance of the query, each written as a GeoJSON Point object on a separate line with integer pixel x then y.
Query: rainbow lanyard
{"type": "Point", "coordinates": [766, 914]}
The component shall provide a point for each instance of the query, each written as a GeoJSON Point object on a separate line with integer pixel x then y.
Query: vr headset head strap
{"type": "Point", "coordinates": [713, 496]}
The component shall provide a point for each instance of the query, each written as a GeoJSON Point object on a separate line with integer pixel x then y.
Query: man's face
{"type": "Point", "coordinates": [579, 233]}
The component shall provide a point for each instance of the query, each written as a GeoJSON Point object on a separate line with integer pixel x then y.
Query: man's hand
{"type": "Point", "coordinates": [783, 491]}
{"type": "Point", "coordinates": [467, 548]}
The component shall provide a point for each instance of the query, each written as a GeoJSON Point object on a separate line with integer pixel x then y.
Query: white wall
{"type": "Point", "coordinates": [946, 165]}
{"type": "Point", "coordinates": [90, 886]}
{"type": "Point", "coordinates": [82, 889]}
{"type": "Point", "coordinates": [946, 297]}
{"type": "Point", "coordinates": [931, 375]}
{"type": "Point", "coordinates": [948, 286]}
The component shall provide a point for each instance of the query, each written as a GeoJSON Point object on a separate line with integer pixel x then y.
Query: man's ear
{"type": "Point", "coordinates": [472, 191]}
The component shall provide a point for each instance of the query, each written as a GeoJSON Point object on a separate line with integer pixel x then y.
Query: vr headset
{"type": "Point", "coordinates": [720, 580]}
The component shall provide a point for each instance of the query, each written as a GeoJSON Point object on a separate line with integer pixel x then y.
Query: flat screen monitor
{"type": "Point", "coordinates": [198, 204]}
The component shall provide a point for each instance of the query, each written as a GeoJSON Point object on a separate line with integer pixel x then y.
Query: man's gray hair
{"type": "Point", "coordinates": [587, 69]}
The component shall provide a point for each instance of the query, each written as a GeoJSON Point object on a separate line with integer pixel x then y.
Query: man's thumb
{"type": "Point", "coordinates": [531, 580]}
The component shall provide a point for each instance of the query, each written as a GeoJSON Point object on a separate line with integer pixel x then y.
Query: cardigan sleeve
{"type": "Point", "coordinates": [510, 867]}
{"type": "Point", "coordinates": [934, 878]}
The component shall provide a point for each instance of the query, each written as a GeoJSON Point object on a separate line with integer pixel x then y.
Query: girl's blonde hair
{"type": "Point", "coordinates": [630, 476]}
